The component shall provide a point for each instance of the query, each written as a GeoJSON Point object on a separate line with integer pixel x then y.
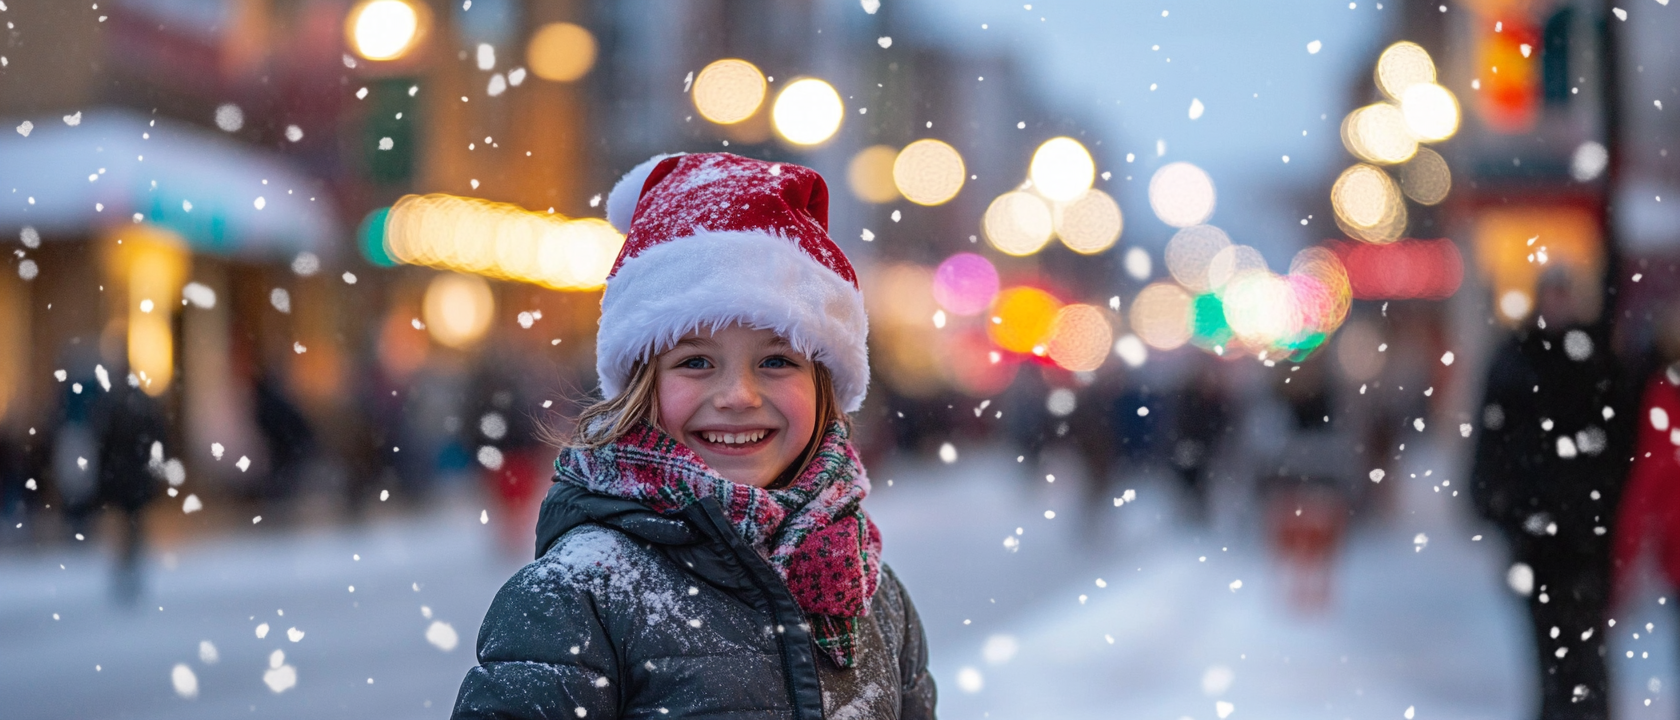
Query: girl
{"type": "Point", "coordinates": [703, 551]}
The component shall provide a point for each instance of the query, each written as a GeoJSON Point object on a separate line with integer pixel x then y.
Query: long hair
{"type": "Point", "coordinates": [603, 423]}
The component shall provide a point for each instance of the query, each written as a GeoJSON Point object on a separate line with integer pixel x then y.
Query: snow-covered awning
{"type": "Point", "coordinates": [102, 167]}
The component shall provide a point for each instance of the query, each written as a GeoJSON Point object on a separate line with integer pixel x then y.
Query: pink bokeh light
{"type": "Point", "coordinates": [965, 284]}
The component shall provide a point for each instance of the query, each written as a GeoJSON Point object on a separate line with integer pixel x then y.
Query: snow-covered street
{"type": "Point", "coordinates": [1022, 633]}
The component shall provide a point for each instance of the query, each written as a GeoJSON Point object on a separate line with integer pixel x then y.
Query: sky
{"type": "Point", "coordinates": [1132, 70]}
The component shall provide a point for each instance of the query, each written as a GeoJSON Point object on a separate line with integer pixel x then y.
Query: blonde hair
{"type": "Point", "coordinates": [604, 422]}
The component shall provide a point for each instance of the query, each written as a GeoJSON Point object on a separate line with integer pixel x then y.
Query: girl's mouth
{"type": "Point", "coordinates": [744, 441]}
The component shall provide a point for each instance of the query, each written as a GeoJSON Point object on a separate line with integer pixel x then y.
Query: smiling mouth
{"type": "Point", "coordinates": [737, 440]}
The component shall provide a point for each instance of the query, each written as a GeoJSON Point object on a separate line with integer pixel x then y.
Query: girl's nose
{"type": "Point", "coordinates": [737, 391]}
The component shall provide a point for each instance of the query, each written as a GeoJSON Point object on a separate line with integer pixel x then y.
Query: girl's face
{"type": "Point", "coordinates": [740, 398]}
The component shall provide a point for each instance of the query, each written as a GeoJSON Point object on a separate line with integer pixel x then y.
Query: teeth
{"type": "Point", "coordinates": [735, 438]}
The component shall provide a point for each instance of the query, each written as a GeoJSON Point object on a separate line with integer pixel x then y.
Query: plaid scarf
{"type": "Point", "coordinates": [814, 531]}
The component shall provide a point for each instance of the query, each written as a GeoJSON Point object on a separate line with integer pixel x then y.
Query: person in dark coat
{"type": "Point", "coordinates": [290, 439]}
{"type": "Point", "coordinates": [132, 434]}
{"type": "Point", "coordinates": [704, 551]}
{"type": "Point", "coordinates": [1549, 466]}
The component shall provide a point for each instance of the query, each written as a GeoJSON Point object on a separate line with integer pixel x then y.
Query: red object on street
{"type": "Point", "coordinates": [1649, 516]}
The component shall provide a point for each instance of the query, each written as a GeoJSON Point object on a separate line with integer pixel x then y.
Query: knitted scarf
{"type": "Point", "coordinates": [814, 531]}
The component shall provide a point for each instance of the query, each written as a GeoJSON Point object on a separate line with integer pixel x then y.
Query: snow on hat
{"type": "Point", "coordinates": [714, 239]}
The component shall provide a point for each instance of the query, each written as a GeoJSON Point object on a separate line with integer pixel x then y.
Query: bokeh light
{"type": "Point", "coordinates": [1426, 178]}
{"type": "Point", "coordinates": [1431, 112]}
{"type": "Point", "coordinates": [1368, 204]}
{"type": "Point", "coordinates": [1427, 269]}
{"type": "Point", "coordinates": [1261, 308]}
{"type": "Point", "coordinates": [870, 174]}
{"type": "Point", "coordinates": [1161, 316]}
{"type": "Point", "coordinates": [965, 284]}
{"type": "Point", "coordinates": [1080, 338]}
{"type": "Point", "coordinates": [457, 309]}
{"type": "Point", "coordinates": [384, 29]}
{"type": "Point", "coordinates": [1190, 253]}
{"type": "Point", "coordinates": [729, 91]}
{"type": "Point", "coordinates": [561, 52]}
{"type": "Point", "coordinates": [501, 241]}
{"type": "Point", "coordinates": [1090, 224]}
{"type": "Point", "coordinates": [1401, 66]}
{"type": "Point", "coordinates": [1021, 319]}
{"type": "Point", "coordinates": [1208, 329]}
{"type": "Point", "coordinates": [1379, 133]}
{"type": "Point", "coordinates": [1230, 262]}
{"type": "Point", "coordinates": [807, 112]}
{"type": "Point", "coordinates": [1181, 194]}
{"type": "Point", "coordinates": [1018, 223]}
{"type": "Point", "coordinates": [1062, 169]}
{"type": "Point", "coordinates": [1333, 292]}
{"type": "Point", "coordinates": [929, 172]}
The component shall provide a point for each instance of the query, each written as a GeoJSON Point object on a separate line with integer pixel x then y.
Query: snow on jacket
{"type": "Point", "coordinates": [630, 614]}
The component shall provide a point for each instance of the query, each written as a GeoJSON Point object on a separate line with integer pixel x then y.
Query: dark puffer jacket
{"type": "Point", "coordinates": [630, 614]}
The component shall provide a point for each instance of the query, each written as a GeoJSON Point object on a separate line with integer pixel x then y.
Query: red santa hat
{"type": "Point", "coordinates": [713, 239]}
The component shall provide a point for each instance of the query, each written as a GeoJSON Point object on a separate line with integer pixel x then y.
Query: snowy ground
{"type": "Point", "coordinates": [1432, 630]}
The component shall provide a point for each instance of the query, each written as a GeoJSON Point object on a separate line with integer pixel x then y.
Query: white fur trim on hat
{"type": "Point", "coordinates": [621, 202]}
{"type": "Point", "coordinates": [715, 279]}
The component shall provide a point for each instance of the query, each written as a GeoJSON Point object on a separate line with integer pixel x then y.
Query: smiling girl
{"type": "Point", "coordinates": [704, 551]}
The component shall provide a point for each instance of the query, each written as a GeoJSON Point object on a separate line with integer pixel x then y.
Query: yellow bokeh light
{"type": "Point", "coordinates": [156, 263]}
{"type": "Point", "coordinates": [561, 52]}
{"type": "Point", "coordinates": [1401, 66]}
{"type": "Point", "coordinates": [1431, 112]}
{"type": "Point", "coordinates": [1062, 169]}
{"type": "Point", "coordinates": [1190, 253]}
{"type": "Point", "coordinates": [1232, 261]}
{"type": "Point", "coordinates": [1080, 338]}
{"type": "Point", "coordinates": [929, 172]}
{"type": "Point", "coordinates": [1018, 223]}
{"type": "Point", "coordinates": [384, 29]}
{"type": "Point", "coordinates": [807, 112]}
{"type": "Point", "coordinates": [1181, 194]}
{"type": "Point", "coordinates": [729, 91]}
{"type": "Point", "coordinates": [1368, 204]}
{"type": "Point", "coordinates": [1161, 316]}
{"type": "Point", "coordinates": [1021, 319]}
{"type": "Point", "coordinates": [1091, 223]}
{"type": "Point", "coordinates": [1426, 178]}
{"type": "Point", "coordinates": [501, 241]}
{"type": "Point", "coordinates": [457, 309]}
{"type": "Point", "coordinates": [870, 174]}
{"type": "Point", "coordinates": [1379, 133]}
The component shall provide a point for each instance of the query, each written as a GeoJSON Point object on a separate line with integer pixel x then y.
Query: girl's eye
{"type": "Point", "coordinates": [777, 362]}
{"type": "Point", "coordinates": [694, 363]}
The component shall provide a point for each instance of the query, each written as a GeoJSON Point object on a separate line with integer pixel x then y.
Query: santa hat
{"type": "Point", "coordinates": [714, 239]}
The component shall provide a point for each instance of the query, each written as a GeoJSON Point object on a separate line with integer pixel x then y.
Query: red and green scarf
{"type": "Point", "coordinates": [813, 531]}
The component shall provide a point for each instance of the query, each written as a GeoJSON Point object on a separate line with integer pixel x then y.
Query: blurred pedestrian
{"type": "Point", "coordinates": [1201, 421]}
{"type": "Point", "coordinates": [506, 444]}
{"type": "Point", "coordinates": [290, 440]}
{"type": "Point", "coordinates": [1549, 464]}
{"type": "Point", "coordinates": [1308, 488]}
{"type": "Point", "coordinates": [132, 434]}
{"type": "Point", "coordinates": [75, 448]}
{"type": "Point", "coordinates": [704, 550]}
